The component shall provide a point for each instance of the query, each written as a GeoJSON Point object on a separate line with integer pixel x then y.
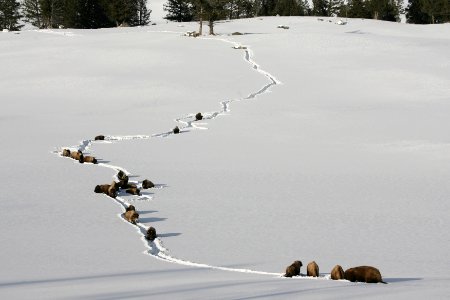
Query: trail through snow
{"type": "Point", "coordinates": [186, 123]}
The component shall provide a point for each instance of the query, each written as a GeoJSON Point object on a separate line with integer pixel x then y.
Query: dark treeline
{"type": "Point", "coordinates": [111, 13]}
{"type": "Point", "coordinates": [417, 11]}
{"type": "Point", "coordinates": [73, 13]}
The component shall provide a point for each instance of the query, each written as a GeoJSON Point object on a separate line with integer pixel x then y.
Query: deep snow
{"type": "Point", "coordinates": [343, 163]}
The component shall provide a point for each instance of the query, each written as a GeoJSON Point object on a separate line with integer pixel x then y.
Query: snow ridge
{"type": "Point", "coordinates": [156, 248]}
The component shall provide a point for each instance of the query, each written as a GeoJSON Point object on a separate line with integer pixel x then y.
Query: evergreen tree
{"type": "Point", "coordinates": [122, 12]}
{"type": "Point", "coordinates": [143, 14]}
{"type": "Point", "coordinates": [386, 10]}
{"type": "Point", "coordinates": [287, 8]}
{"type": "Point", "coordinates": [320, 8]}
{"type": "Point", "coordinates": [179, 10]}
{"type": "Point", "coordinates": [52, 13]}
{"type": "Point", "coordinates": [267, 7]}
{"type": "Point", "coordinates": [438, 10]}
{"type": "Point", "coordinates": [32, 12]}
{"type": "Point", "coordinates": [240, 9]}
{"type": "Point", "coordinates": [415, 14]}
{"type": "Point", "coordinates": [358, 9]}
{"type": "Point", "coordinates": [214, 10]}
{"type": "Point", "coordinates": [334, 7]}
{"type": "Point", "coordinates": [9, 15]}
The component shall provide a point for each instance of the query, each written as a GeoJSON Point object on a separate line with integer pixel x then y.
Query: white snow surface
{"type": "Point", "coordinates": [320, 142]}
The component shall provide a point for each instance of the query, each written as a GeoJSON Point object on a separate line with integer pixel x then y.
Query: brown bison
{"type": "Point", "coordinates": [131, 207]}
{"type": "Point", "coordinates": [337, 273]}
{"type": "Point", "coordinates": [77, 155]}
{"type": "Point", "coordinates": [123, 183]}
{"type": "Point", "coordinates": [198, 116]}
{"type": "Point", "coordinates": [151, 234]}
{"type": "Point", "coordinates": [133, 191]}
{"type": "Point", "coordinates": [129, 186]}
{"type": "Point", "coordinates": [66, 153]}
{"type": "Point", "coordinates": [363, 274]}
{"type": "Point", "coordinates": [176, 130]}
{"type": "Point", "coordinates": [121, 175]}
{"type": "Point", "coordinates": [312, 269]}
{"type": "Point", "coordinates": [131, 216]}
{"type": "Point", "coordinates": [293, 269]}
{"type": "Point", "coordinates": [99, 138]}
{"type": "Point", "coordinates": [108, 189]}
{"type": "Point", "coordinates": [147, 184]}
{"type": "Point", "coordinates": [90, 159]}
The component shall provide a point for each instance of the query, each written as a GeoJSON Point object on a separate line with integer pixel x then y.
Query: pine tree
{"type": "Point", "coordinates": [287, 8]}
{"type": "Point", "coordinates": [32, 12]}
{"type": "Point", "coordinates": [438, 10]}
{"type": "Point", "coordinates": [334, 7]}
{"type": "Point", "coordinates": [9, 15]}
{"type": "Point", "coordinates": [386, 10]}
{"type": "Point", "coordinates": [267, 7]}
{"type": "Point", "coordinates": [414, 13]}
{"type": "Point", "coordinates": [214, 10]}
{"type": "Point", "coordinates": [122, 12]}
{"type": "Point", "coordinates": [179, 10]}
{"type": "Point", "coordinates": [52, 13]}
{"type": "Point", "coordinates": [358, 9]}
{"type": "Point", "coordinates": [142, 13]}
{"type": "Point", "coordinates": [320, 8]}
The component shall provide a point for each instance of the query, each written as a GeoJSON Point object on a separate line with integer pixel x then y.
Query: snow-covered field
{"type": "Point", "coordinates": [321, 142]}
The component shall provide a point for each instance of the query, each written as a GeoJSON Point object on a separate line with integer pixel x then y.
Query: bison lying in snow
{"type": "Point", "coordinates": [151, 234]}
{"type": "Point", "coordinates": [133, 191]}
{"type": "Point", "coordinates": [108, 189]}
{"type": "Point", "coordinates": [147, 184]}
{"type": "Point", "coordinates": [131, 216]}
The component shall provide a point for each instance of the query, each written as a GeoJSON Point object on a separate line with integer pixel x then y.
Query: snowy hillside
{"type": "Point", "coordinates": [319, 142]}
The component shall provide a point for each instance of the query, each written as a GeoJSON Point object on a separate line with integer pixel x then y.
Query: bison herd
{"type": "Point", "coordinates": [111, 190]}
{"type": "Point", "coordinates": [358, 274]}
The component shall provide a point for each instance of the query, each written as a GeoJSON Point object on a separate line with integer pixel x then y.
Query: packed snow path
{"type": "Point", "coordinates": [186, 123]}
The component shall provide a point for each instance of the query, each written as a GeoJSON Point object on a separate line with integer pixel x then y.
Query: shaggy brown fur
{"type": "Point", "coordinates": [131, 216]}
{"type": "Point", "coordinates": [147, 184]}
{"type": "Point", "coordinates": [131, 207]}
{"type": "Point", "coordinates": [77, 155]}
{"type": "Point", "coordinates": [363, 274]}
{"type": "Point", "coordinates": [66, 152]}
{"type": "Point", "coordinates": [198, 116]}
{"type": "Point", "coordinates": [293, 269]}
{"type": "Point", "coordinates": [90, 159]}
{"type": "Point", "coordinates": [151, 234]}
{"type": "Point", "coordinates": [102, 188]}
{"type": "Point", "coordinates": [107, 189]}
{"type": "Point", "coordinates": [121, 175]}
{"type": "Point", "coordinates": [134, 191]}
{"type": "Point", "coordinates": [99, 138]}
{"type": "Point", "coordinates": [237, 33]}
{"type": "Point", "coordinates": [129, 186]}
{"type": "Point", "coordinates": [337, 273]}
{"type": "Point", "coordinates": [176, 130]}
{"type": "Point", "coordinates": [123, 183]}
{"type": "Point", "coordinates": [312, 269]}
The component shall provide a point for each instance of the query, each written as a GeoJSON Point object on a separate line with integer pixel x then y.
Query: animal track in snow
{"type": "Point", "coordinates": [156, 248]}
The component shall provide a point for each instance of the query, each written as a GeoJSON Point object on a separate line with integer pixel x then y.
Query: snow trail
{"type": "Point", "coordinates": [156, 248]}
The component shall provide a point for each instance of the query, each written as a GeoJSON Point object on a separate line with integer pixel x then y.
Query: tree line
{"type": "Point", "coordinates": [110, 13]}
{"type": "Point", "coordinates": [417, 11]}
{"type": "Point", "coordinates": [73, 13]}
